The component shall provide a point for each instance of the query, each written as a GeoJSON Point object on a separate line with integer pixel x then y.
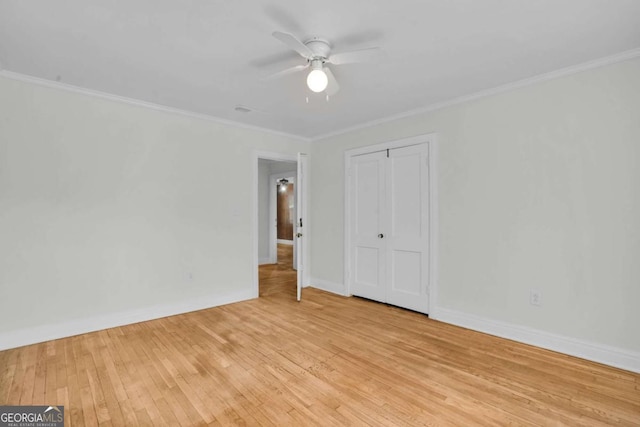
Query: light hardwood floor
{"type": "Point", "coordinates": [327, 360]}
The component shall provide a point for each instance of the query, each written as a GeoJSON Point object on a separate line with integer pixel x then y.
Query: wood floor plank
{"type": "Point", "coordinates": [143, 418]}
{"type": "Point", "coordinates": [327, 360]}
{"type": "Point", "coordinates": [25, 380]}
{"type": "Point", "coordinates": [8, 364]}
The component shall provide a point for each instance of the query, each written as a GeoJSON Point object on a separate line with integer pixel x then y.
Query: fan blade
{"type": "Point", "coordinates": [293, 43]}
{"type": "Point", "coordinates": [332, 86]}
{"type": "Point", "coordinates": [362, 55]}
{"type": "Point", "coordinates": [286, 72]}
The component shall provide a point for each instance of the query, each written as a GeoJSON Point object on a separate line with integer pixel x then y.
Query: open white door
{"type": "Point", "coordinates": [301, 239]}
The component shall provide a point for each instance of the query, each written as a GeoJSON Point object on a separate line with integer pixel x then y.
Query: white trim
{"type": "Point", "coordinates": [302, 211]}
{"type": "Point", "coordinates": [434, 248]}
{"type": "Point", "coordinates": [263, 261]}
{"type": "Point", "coordinates": [389, 145]}
{"type": "Point", "coordinates": [601, 353]}
{"type": "Point", "coordinates": [346, 277]}
{"type": "Point", "coordinates": [431, 140]}
{"type": "Point", "coordinates": [37, 334]}
{"type": "Point", "coordinates": [255, 226]}
{"type": "Point", "coordinates": [139, 103]}
{"type": "Point", "coordinates": [325, 285]}
{"type": "Point", "coordinates": [267, 155]}
{"type": "Point", "coordinates": [284, 242]}
{"type": "Point", "coordinates": [574, 69]}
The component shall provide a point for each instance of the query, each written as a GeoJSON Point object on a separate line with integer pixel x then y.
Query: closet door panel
{"type": "Point", "coordinates": [407, 243]}
{"type": "Point", "coordinates": [368, 219]}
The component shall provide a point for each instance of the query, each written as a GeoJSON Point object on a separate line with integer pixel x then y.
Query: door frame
{"type": "Point", "coordinates": [432, 144]}
{"type": "Point", "coordinates": [268, 155]}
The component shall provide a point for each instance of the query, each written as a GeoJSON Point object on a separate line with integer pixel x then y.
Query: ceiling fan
{"type": "Point", "coordinates": [317, 53]}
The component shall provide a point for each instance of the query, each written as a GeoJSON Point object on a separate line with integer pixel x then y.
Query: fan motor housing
{"type": "Point", "coordinates": [319, 47]}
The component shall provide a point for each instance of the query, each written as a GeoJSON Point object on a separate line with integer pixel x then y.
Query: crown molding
{"type": "Point", "coordinates": [574, 69]}
{"type": "Point", "coordinates": [139, 103]}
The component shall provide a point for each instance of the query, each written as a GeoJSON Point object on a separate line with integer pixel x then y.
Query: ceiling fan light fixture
{"type": "Point", "coordinates": [317, 80]}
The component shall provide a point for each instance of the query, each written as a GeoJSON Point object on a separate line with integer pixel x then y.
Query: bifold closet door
{"type": "Point", "coordinates": [389, 195]}
{"type": "Point", "coordinates": [407, 229]}
{"type": "Point", "coordinates": [368, 249]}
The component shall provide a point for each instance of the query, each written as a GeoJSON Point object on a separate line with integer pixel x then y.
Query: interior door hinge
{"type": "Point", "coordinates": [387, 153]}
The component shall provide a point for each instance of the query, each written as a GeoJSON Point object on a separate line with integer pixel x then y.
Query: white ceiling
{"type": "Point", "coordinates": [207, 56]}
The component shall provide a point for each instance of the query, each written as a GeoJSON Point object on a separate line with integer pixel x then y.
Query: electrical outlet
{"type": "Point", "coordinates": [535, 297]}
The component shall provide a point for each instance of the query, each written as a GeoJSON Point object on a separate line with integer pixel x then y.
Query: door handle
{"type": "Point", "coordinates": [380, 236]}
{"type": "Point", "coordinates": [299, 235]}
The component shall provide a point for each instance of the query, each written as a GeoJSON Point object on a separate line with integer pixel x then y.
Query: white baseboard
{"type": "Point", "coordinates": [601, 353]}
{"type": "Point", "coordinates": [37, 334]}
{"type": "Point", "coordinates": [285, 242]}
{"type": "Point", "coordinates": [267, 260]}
{"type": "Point", "coordinates": [325, 285]}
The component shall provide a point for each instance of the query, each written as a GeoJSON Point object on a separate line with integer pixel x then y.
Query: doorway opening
{"type": "Point", "coordinates": [280, 213]}
{"type": "Point", "coordinates": [276, 208]}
